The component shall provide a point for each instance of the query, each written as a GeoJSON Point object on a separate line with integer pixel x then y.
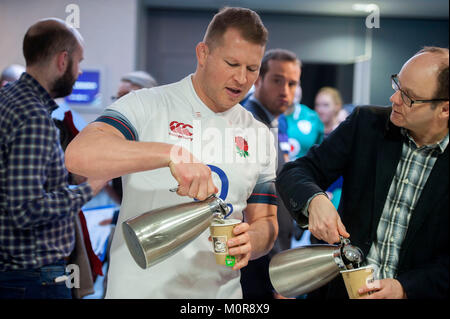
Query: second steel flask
{"type": "Point", "coordinates": [297, 271]}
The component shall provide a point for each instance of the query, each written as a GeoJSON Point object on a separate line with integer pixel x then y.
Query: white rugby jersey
{"type": "Point", "coordinates": [240, 152]}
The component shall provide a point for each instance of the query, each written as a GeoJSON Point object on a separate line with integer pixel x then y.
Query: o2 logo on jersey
{"type": "Point", "coordinates": [225, 184]}
{"type": "Point", "coordinates": [180, 130]}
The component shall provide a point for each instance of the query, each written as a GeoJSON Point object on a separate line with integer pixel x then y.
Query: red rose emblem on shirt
{"type": "Point", "coordinates": [241, 146]}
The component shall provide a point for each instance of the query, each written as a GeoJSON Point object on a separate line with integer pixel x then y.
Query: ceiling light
{"type": "Point", "coordinates": [366, 7]}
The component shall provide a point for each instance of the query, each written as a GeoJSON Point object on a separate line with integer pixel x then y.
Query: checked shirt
{"type": "Point", "coordinates": [410, 178]}
{"type": "Point", "coordinates": [37, 207]}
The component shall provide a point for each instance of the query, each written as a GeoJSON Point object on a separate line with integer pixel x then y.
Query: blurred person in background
{"type": "Point", "coordinates": [283, 138]}
{"type": "Point", "coordinates": [304, 127]}
{"type": "Point", "coordinates": [38, 208]}
{"type": "Point", "coordinates": [11, 73]}
{"type": "Point", "coordinates": [328, 105]}
{"type": "Point", "coordinates": [135, 80]}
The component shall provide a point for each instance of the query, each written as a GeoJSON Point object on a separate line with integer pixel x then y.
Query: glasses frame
{"type": "Point", "coordinates": [396, 86]}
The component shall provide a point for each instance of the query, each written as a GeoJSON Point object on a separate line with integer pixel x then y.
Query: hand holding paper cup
{"type": "Point", "coordinates": [355, 279]}
{"type": "Point", "coordinates": [221, 232]}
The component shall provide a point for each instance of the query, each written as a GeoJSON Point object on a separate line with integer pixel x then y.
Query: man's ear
{"type": "Point", "coordinates": [445, 110]}
{"type": "Point", "coordinates": [202, 51]}
{"type": "Point", "coordinates": [258, 81]}
{"type": "Point", "coordinates": [62, 60]}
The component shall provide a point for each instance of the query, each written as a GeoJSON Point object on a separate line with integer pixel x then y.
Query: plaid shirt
{"type": "Point", "coordinates": [410, 177]}
{"type": "Point", "coordinates": [37, 207]}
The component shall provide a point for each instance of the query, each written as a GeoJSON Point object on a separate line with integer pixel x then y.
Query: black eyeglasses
{"type": "Point", "coordinates": [406, 99]}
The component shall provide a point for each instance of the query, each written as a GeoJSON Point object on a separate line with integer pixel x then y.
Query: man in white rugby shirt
{"type": "Point", "coordinates": [141, 136]}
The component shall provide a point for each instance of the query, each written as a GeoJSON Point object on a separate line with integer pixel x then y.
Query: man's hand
{"type": "Point", "coordinates": [384, 289]}
{"type": "Point", "coordinates": [240, 246]}
{"type": "Point", "coordinates": [193, 177]}
{"type": "Point", "coordinates": [324, 220]}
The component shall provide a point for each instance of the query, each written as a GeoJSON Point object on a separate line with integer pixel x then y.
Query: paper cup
{"type": "Point", "coordinates": [355, 279]}
{"type": "Point", "coordinates": [220, 233]}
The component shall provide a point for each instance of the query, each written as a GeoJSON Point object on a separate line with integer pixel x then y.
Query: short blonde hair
{"type": "Point", "coordinates": [334, 93]}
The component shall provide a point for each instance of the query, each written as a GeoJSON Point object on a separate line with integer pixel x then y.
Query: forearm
{"type": "Point", "coordinates": [98, 152]}
{"type": "Point", "coordinates": [296, 184]}
{"type": "Point", "coordinates": [263, 233]}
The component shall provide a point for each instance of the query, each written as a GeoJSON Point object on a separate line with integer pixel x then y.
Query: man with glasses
{"type": "Point", "coordinates": [394, 205]}
{"type": "Point", "coordinates": [405, 97]}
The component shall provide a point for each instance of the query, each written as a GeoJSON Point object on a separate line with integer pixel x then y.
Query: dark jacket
{"type": "Point", "coordinates": [285, 221]}
{"type": "Point", "coordinates": [365, 149]}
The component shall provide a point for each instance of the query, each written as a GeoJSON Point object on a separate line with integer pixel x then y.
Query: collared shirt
{"type": "Point", "coordinates": [410, 178]}
{"type": "Point", "coordinates": [37, 207]}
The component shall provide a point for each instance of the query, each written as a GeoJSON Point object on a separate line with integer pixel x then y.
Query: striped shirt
{"type": "Point", "coordinates": [410, 178]}
{"type": "Point", "coordinates": [37, 207]}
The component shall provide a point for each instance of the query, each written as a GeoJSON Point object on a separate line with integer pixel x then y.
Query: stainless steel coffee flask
{"type": "Point", "coordinates": [297, 271]}
{"type": "Point", "coordinates": [155, 235]}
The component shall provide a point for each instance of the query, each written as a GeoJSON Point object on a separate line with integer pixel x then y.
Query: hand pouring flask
{"type": "Point", "coordinates": [160, 233]}
{"type": "Point", "coordinates": [297, 271]}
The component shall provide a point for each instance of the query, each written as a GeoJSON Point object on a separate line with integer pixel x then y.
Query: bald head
{"type": "Point", "coordinates": [438, 61]}
{"type": "Point", "coordinates": [48, 37]}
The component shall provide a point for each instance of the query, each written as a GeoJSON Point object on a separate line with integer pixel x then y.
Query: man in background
{"type": "Point", "coordinates": [131, 81]}
{"type": "Point", "coordinates": [11, 73]}
{"type": "Point", "coordinates": [37, 206]}
{"type": "Point", "coordinates": [274, 93]}
{"type": "Point", "coordinates": [134, 81]}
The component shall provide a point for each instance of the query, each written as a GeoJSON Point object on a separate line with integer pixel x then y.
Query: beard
{"type": "Point", "coordinates": [63, 86]}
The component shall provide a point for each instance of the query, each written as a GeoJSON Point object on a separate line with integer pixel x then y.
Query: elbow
{"type": "Point", "coordinates": [75, 161]}
{"type": "Point", "coordinates": [281, 180]}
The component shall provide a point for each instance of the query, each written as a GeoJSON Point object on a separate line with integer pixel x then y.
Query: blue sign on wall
{"type": "Point", "coordinates": [86, 90]}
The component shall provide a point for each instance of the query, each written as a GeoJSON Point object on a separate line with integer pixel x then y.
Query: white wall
{"type": "Point", "coordinates": [107, 26]}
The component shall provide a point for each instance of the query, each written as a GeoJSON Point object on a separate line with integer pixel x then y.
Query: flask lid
{"type": "Point", "coordinates": [352, 256]}
{"type": "Point", "coordinates": [220, 209]}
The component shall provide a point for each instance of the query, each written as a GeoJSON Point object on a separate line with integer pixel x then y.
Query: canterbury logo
{"type": "Point", "coordinates": [180, 130]}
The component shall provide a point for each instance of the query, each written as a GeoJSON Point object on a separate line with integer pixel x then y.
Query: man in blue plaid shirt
{"type": "Point", "coordinates": [37, 207]}
{"type": "Point", "coordinates": [394, 161]}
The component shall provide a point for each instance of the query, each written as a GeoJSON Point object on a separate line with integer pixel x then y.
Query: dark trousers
{"type": "Point", "coordinates": [255, 280]}
{"type": "Point", "coordinates": [35, 283]}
